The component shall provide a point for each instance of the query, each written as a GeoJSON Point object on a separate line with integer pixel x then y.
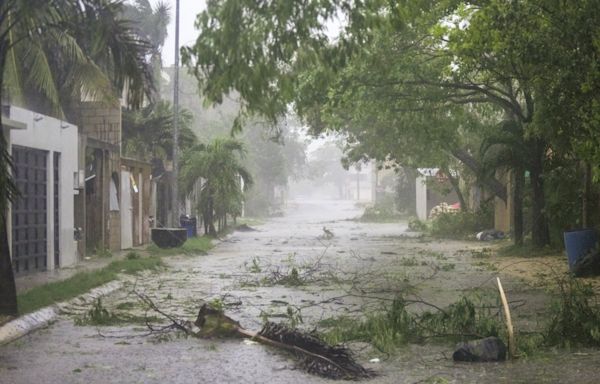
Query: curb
{"type": "Point", "coordinates": [24, 325]}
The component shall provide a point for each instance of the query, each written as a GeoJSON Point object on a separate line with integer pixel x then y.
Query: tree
{"type": "Point", "coordinates": [150, 23]}
{"type": "Point", "coordinates": [148, 132]}
{"type": "Point", "coordinates": [274, 156]}
{"type": "Point", "coordinates": [407, 76]}
{"type": "Point", "coordinates": [15, 16]}
{"type": "Point", "coordinates": [51, 53]}
{"type": "Point", "coordinates": [223, 180]}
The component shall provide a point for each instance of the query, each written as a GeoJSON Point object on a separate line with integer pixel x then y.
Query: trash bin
{"type": "Point", "coordinates": [579, 243]}
{"type": "Point", "coordinates": [169, 237]}
{"type": "Point", "coordinates": [190, 224]}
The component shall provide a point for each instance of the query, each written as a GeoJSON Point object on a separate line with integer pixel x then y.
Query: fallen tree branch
{"type": "Point", "coordinates": [317, 357]}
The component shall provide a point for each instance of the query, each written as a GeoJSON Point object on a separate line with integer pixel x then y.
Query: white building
{"type": "Point", "coordinates": [45, 156]}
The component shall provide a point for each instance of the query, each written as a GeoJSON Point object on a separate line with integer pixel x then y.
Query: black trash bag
{"type": "Point", "coordinates": [588, 265]}
{"type": "Point", "coordinates": [489, 235]}
{"type": "Point", "coordinates": [482, 350]}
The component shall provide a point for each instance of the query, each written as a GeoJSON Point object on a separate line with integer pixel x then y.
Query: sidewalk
{"type": "Point", "coordinates": [23, 325]}
{"type": "Point", "coordinates": [26, 282]}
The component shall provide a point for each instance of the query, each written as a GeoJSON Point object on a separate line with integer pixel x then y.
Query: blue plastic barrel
{"type": "Point", "coordinates": [579, 243]}
{"type": "Point", "coordinates": [190, 224]}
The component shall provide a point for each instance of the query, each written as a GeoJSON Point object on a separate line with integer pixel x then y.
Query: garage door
{"type": "Point", "coordinates": [29, 211]}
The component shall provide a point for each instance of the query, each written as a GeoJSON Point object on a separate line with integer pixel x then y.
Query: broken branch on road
{"type": "Point", "coordinates": [315, 356]}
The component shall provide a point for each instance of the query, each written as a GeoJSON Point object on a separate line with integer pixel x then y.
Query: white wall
{"type": "Point", "coordinates": [421, 193]}
{"type": "Point", "coordinates": [53, 135]}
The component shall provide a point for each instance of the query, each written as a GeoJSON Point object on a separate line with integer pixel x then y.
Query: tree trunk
{"type": "Point", "coordinates": [8, 292]}
{"type": "Point", "coordinates": [518, 205]}
{"type": "Point", "coordinates": [211, 219]}
{"type": "Point", "coordinates": [496, 187]}
{"type": "Point", "coordinates": [456, 186]}
{"type": "Point", "coordinates": [539, 225]}
{"type": "Point", "coordinates": [587, 195]}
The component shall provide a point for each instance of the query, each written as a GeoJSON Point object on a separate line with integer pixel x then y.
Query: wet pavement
{"type": "Point", "coordinates": [252, 275]}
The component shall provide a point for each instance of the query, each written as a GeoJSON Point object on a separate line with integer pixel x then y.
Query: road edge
{"type": "Point", "coordinates": [23, 325]}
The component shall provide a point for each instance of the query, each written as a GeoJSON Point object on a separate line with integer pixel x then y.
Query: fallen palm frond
{"type": "Point", "coordinates": [316, 356]}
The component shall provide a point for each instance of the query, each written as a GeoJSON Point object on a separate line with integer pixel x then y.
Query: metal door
{"type": "Point", "coordinates": [29, 211]}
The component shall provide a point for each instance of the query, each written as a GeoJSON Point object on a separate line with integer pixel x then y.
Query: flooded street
{"type": "Point", "coordinates": [342, 267]}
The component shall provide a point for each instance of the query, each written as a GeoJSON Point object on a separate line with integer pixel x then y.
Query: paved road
{"type": "Point", "coordinates": [246, 273]}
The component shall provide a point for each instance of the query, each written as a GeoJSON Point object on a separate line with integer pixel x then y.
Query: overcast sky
{"type": "Point", "coordinates": [188, 10]}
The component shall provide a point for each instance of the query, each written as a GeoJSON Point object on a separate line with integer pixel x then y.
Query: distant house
{"type": "Point", "coordinates": [45, 155]}
{"type": "Point", "coordinates": [114, 209]}
{"type": "Point", "coordinates": [432, 188]}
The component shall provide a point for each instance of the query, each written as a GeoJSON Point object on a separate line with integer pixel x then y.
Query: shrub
{"type": "Point", "coordinates": [416, 225]}
{"type": "Point", "coordinates": [462, 224]}
{"type": "Point", "coordinates": [574, 315]}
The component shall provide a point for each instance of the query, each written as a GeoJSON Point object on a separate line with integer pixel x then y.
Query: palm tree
{"type": "Point", "coordinates": [224, 179]}
{"type": "Point", "coordinates": [148, 132]}
{"type": "Point", "coordinates": [151, 24]}
{"type": "Point", "coordinates": [53, 52]}
{"type": "Point", "coordinates": [66, 63]}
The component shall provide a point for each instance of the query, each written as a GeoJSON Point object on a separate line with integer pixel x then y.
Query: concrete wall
{"type": "Point", "coordinates": [53, 135]}
{"type": "Point", "coordinates": [421, 196]}
{"type": "Point", "coordinates": [100, 124]}
{"type": "Point", "coordinates": [99, 121]}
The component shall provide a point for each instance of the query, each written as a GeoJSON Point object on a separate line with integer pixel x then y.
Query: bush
{"type": "Point", "coordinates": [381, 211]}
{"type": "Point", "coordinates": [574, 315]}
{"type": "Point", "coordinates": [416, 225]}
{"type": "Point", "coordinates": [395, 325]}
{"type": "Point", "coordinates": [462, 225]}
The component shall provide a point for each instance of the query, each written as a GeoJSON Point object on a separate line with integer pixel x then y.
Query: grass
{"type": "Point", "coordinates": [81, 282]}
{"type": "Point", "coordinates": [98, 315]}
{"type": "Point", "coordinates": [194, 246]}
{"type": "Point", "coordinates": [395, 326]}
{"type": "Point", "coordinates": [250, 221]}
{"type": "Point", "coordinates": [527, 250]}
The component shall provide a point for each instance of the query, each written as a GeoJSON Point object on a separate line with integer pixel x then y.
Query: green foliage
{"type": "Point", "coordinates": [98, 315]}
{"type": "Point", "coordinates": [478, 88]}
{"type": "Point", "coordinates": [82, 282]}
{"type": "Point", "coordinates": [564, 195]}
{"type": "Point", "coordinates": [416, 225]}
{"type": "Point", "coordinates": [198, 245]}
{"type": "Point", "coordinates": [255, 266]}
{"type": "Point", "coordinates": [574, 315]}
{"type": "Point", "coordinates": [103, 252]}
{"type": "Point", "coordinates": [217, 304]}
{"type": "Point", "coordinates": [148, 133]}
{"type": "Point", "coordinates": [461, 225]}
{"type": "Point", "coordinates": [53, 54]}
{"type": "Point", "coordinates": [382, 211]}
{"type": "Point", "coordinates": [275, 155]}
{"type": "Point", "coordinates": [396, 325]}
{"type": "Point", "coordinates": [132, 255]}
{"type": "Point", "coordinates": [219, 165]}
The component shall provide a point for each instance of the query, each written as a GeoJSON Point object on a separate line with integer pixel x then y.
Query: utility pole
{"type": "Point", "coordinates": [175, 189]}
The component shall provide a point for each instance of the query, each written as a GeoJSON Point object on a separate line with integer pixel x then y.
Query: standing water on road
{"type": "Point", "coordinates": [314, 266]}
